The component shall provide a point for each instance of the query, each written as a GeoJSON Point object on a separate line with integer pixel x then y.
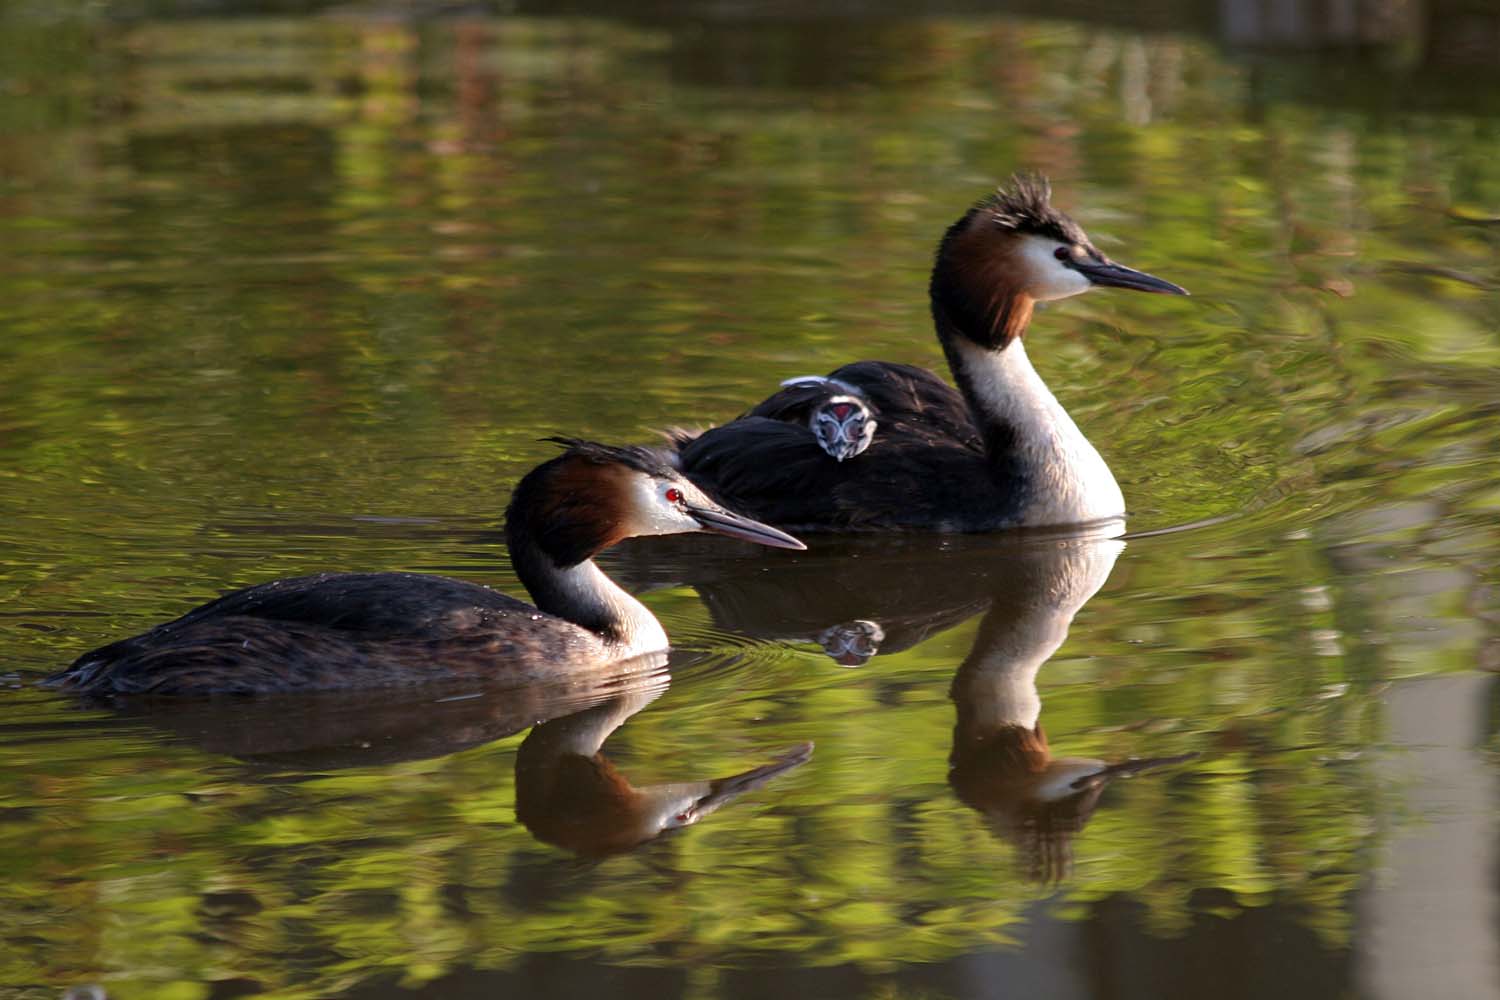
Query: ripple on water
{"type": "Point", "coordinates": [700, 652]}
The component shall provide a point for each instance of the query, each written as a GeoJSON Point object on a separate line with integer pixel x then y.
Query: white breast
{"type": "Point", "coordinates": [1070, 482]}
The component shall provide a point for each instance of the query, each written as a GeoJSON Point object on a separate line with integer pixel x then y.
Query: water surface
{"type": "Point", "coordinates": [286, 293]}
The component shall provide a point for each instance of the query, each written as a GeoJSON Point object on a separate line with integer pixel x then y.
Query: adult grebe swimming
{"type": "Point", "coordinates": [1000, 452]}
{"type": "Point", "coordinates": [358, 630]}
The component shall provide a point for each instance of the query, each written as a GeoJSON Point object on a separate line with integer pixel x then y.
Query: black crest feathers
{"type": "Point", "coordinates": [1025, 206]}
{"type": "Point", "coordinates": [651, 461]}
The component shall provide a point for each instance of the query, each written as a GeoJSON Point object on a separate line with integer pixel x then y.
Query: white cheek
{"type": "Point", "coordinates": [653, 515]}
{"type": "Point", "coordinates": [1047, 277]}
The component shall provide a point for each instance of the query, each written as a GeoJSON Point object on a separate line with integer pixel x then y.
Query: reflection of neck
{"type": "Point", "coordinates": [568, 792]}
{"type": "Point", "coordinates": [995, 687]}
{"type": "Point", "coordinates": [583, 733]}
{"type": "Point", "coordinates": [583, 595]}
{"type": "Point", "coordinates": [1028, 436]}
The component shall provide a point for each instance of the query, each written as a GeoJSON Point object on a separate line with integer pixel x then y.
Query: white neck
{"type": "Point", "coordinates": [1069, 483]}
{"type": "Point", "coordinates": [583, 733]}
{"type": "Point", "coordinates": [583, 593]}
{"type": "Point", "coordinates": [996, 685]}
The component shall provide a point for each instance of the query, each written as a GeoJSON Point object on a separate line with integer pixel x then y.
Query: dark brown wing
{"type": "Point", "coordinates": [376, 605]}
{"type": "Point", "coordinates": [905, 395]}
{"type": "Point", "coordinates": [914, 477]}
{"type": "Point", "coordinates": [330, 631]}
{"type": "Point", "coordinates": [925, 470]}
{"type": "Point", "coordinates": [911, 478]}
{"type": "Point", "coordinates": [766, 468]}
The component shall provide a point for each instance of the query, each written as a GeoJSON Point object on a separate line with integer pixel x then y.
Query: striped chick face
{"type": "Point", "coordinates": [843, 426]}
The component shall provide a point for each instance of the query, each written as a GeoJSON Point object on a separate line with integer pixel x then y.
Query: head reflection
{"type": "Point", "coordinates": [568, 793]}
{"type": "Point", "coordinates": [1001, 764]}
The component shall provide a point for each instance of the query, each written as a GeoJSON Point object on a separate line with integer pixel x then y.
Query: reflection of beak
{"type": "Point", "coordinates": [1127, 769]}
{"type": "Point", "coordinates": [1107, 272]}
{"type": "Point", "coordinates": [722, 521]}
{"type": "Point", "coordinates": [726, 789]}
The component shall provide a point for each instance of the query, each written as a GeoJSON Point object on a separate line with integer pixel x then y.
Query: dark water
{"type": "Point", "coordinates": [286, 292]}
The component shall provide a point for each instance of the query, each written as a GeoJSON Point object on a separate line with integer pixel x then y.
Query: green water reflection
{"type": "Point", "coordinates": [302, 292]}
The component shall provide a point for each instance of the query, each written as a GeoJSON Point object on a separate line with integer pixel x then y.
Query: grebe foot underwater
{"type": "Point", "coordinates": [997, 452]}
{"type": "Point", "coordinates": [364, 630]}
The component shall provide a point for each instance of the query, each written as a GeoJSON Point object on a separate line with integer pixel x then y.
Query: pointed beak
{"type": "Point", "coordinates": [1107, 272]}
{"type": "Point", "coordinates": [725, 789]}
{"type": "Point", "coordinates": [722, 521]}
{"type": "Point", "coordinates": [842, 446]}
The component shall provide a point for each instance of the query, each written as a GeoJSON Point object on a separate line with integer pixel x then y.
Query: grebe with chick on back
{"type": "Point", "coordinates": [364, 630]}
{"type": "Point", "coordinates": [998, 452]}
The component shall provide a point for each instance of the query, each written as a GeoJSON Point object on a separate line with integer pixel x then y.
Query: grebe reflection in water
{"type": "Point", "coordinates": [569, 793]}
{"type": "Point", "coordinates": [860, 598]}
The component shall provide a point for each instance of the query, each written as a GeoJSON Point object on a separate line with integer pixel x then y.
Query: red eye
{"type": "Point", "coordinates": [674, 495]}
{"type": "Point", "coordinates": [1063, 253]}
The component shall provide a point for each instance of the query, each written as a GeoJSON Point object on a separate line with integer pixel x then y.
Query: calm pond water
{"type": "Point", "coordinates": [294, 292]}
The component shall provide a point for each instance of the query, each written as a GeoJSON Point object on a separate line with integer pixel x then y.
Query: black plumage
{"type": "Point", "coordinates": [331, 631]}
{"type": "Point", "coordinates": [926, 455]}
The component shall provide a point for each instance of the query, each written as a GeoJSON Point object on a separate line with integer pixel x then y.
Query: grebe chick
{"type": "Point", "coordinates": [841, 420]}
{"type": "Point", "coordinates": [365, 630]}
{"type": "Point", "coordinates": [998, 452]}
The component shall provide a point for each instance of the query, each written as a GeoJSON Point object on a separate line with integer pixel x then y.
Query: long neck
{"type": "Point", "coordinates": [1034, 448]}
{"type": "Point", "coordinates": [995, 687]}
{"type": "Point", "coordinates": [583, 595]}
{"type": "Point", "coordinates": [1049, 581]}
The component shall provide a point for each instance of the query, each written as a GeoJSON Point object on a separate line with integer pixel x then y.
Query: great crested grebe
{"type": "Point", "coordinates": [999, 452]}
{"type": "Point", "coordinates": [361, 630]}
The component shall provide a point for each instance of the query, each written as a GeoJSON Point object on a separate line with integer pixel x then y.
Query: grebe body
{"type": "Point", "coordinates": [364, 630]}
{"type": "Point", "coordinates": [999, 451]}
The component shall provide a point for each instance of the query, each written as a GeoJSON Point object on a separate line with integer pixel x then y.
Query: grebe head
{"type": "Point", "coordinates": [1013, 249]}
{"type": "Point", "coordinates": [843, 426]}
{"type": "Point", "coordinates": [593, 496]}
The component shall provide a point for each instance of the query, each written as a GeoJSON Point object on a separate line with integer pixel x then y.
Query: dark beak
{"type": "Point", "coordinates": [725, 789]}
{"type": "Point", "coordinates": [735, 526]}
{"type": "Point", "coordinates": [1130, 768]}
{"type": "Point", "coordinates": [1107, 272]}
